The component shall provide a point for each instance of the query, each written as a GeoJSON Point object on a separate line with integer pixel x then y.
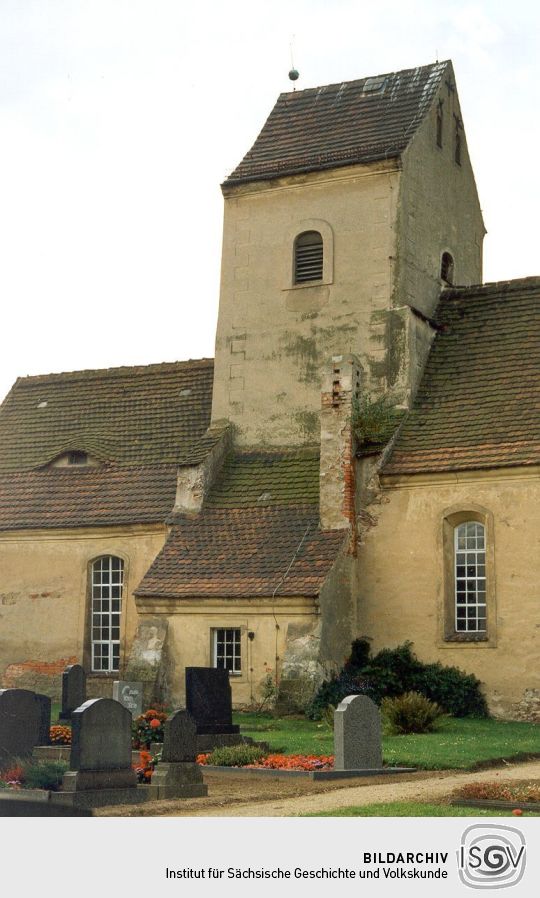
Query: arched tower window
{"type": "Point", "coordinates": [308, 257]}
{"type": "Point", "coordinates": [470, 577]}
{"type": "Point", "coordinates": [107, 584]}
{"type": "Point", "coordinates": [447, 268]}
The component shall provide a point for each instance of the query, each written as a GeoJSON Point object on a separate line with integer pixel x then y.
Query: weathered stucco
{"type": "Point", "coordinates": [274, 338]}
{"type": "Point", "coordinates": [44, 598]}
{"type": "Point", "coordinates": [189, 637]}
{"type": "Point", "coordinates": [438, 210]}
{"type": "Point", "coordinates": [400, 577]}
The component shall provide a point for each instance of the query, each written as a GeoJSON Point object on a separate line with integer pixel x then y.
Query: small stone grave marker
{"type": "Point", "coordinates": [179, 738]}
{"type": "Point", "coordinates": [357, 734]}
{"type": "Point", "coordinates": [130, 695]}
{"type": "Point", "coordinates": [73, 690]}
{"type": "Point", "coordinates": [177, 775]}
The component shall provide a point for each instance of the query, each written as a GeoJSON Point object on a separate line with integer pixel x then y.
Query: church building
{"type": "Point", "coordinates": [360, 459]}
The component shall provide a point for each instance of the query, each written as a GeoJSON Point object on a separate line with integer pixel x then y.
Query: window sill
{"type": "Point", "coordinates": [308, 284]}
{"type": "Point", "coordinates": [466, 639]}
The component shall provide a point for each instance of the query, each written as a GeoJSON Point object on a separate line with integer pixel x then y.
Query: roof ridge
{"type": "Point", "coordinates": [430, 65]}
{"type": "Point", "coordinates": [116, 371]}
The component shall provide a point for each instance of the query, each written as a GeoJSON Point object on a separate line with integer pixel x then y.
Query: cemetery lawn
{"type": "Point", "coordinates": [415, 809]}
{"type": "Point", "coordinates": [458, 744]}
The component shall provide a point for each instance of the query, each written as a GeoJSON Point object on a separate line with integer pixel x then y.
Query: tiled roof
{"type": "Point", "coordinates": [263, 509]}
{"type": "Point", "coordinates": [150, 414]}
{"type": "Point", "coordinates": [268, 478]}
{"type": "Point", "coordinates": [86, 497]}
{"type": "Point", "coordinates": [478, 405]}
{"type": "Point", "coordinates": [249, 552]}
{"type": "Point", "coordinates": [341, 124]}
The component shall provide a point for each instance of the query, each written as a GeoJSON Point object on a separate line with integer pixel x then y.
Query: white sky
{"type": "Point", "coordinates": [120, 118]}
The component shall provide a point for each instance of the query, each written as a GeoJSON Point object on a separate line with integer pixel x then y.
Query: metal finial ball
{"type": "Point", "coordinates": [294, 75]}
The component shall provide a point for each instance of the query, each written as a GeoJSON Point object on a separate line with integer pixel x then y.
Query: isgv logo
{"type": "Point", "coordinates": [491, 857]}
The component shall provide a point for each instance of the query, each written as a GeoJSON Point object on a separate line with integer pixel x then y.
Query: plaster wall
{"type": "Point", "coordinates": [400, 577]}
{"type": "Point", "coordinates": [189, 637]}
{"type": "Point", "coordinates": [44, 598]}
{"type": "Point", "coordinates": [274, 338]}
{"type": "Point", "coordinates": [438, 211]}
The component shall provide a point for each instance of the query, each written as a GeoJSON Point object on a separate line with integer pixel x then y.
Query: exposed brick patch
{"type": "Point", "coordinates": [14, 672]}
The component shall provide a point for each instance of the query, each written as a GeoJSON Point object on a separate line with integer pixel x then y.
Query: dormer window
{"type": "Point", "coordinates": [308, 257]}
{"type": "Point", "coordinates": [447, 269]}
{"type": "Point", "coordinates": [77, 458]}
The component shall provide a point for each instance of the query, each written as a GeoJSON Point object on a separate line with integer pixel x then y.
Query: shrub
{"type": "Point", "coordinates": [235, 755]}
{"type": "Point", "coordinates": [148, 728]}
{"type": "Point", "coordinates": [44, 775]}
{"type": "Point", "coordinates": [333, 691]}
{"type": "Point", "coordinates": [411, 713]}
{"type": "Point", "coordinates": [455, 691]}
{"type": "Point", "coordinates": [391, 672]}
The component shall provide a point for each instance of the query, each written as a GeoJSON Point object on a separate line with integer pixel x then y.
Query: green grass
{"type": "Point", "coordinates": [461, 744]}
{"type": "Point", "coordinates": [415, 809]}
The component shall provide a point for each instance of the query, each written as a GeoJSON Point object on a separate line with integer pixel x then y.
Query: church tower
{"type": "Point", "coordinates": [356, 203]}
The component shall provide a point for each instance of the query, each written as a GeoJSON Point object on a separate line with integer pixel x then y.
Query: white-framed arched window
{"type": "Point", "coordinates": [469, 606]}
{"type": "Point", "coordinates": [470, 594]}
{"type": "Point", "coordinates": [107, 585]}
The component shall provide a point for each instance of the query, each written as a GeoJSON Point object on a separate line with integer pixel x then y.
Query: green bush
{"type": "Point", "coordinates": [410, 713]}
{"type": "Point", "coordinates": [334, 690]}
{"type": "Point", "coordinates": [236, 755]}
{"type": "Point", "coordinates": [391, 672]}
{"type": "Point", "coordinates": [44, 775]}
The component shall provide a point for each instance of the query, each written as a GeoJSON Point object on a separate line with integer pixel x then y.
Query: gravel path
{"type": "Point", "coordinates": [278, 798]}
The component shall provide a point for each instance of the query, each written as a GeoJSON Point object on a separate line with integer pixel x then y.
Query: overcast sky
{"type": "Point", "coordinates": [120, 118]}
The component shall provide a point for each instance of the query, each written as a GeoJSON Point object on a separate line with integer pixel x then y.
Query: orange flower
{"type": "Point", "coordinates": [155, 723]}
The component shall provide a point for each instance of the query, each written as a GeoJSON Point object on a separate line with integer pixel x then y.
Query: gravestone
{"type": "Point", "coordinates": [44, 704]}
{"type": "Point", "coordinates": [100, 757]}
{"type": "Point", "coordinates": [73, 690]}
{"type": "Point", "coordinates": [177, 775]}
{"type": "Point", "coordinates": [357, 734]}
{"type": "Point", "coordinates": [179, 738]}
{"type": "Point", "coordinates": [209, 701]}
{"type": "Point", "coordinates": [130, 695]}
{"type": "Point", "coordinates": [23, 722]}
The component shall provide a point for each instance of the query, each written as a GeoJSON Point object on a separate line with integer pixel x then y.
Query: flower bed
{"type": "Point", "coordinates": [283, 762]}
{"type": "Point", "coordinates": [144, 767]}
{"type": "Point", "coordinates": [148, 728]}
{"type": "Point", "coordinates": [60, 735]}
{"type": "Point", "coordinates": [518, 792]}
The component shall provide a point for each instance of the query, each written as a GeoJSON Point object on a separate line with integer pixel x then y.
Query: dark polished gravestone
{"type": "Point", "coordinates": [178, 775]}
{"type": "Point", "coordinates": [73, 690]}
{"type": "Point", "coordinates": [209, 700]}
{"type": "Point", "coordinates": [25, 719]}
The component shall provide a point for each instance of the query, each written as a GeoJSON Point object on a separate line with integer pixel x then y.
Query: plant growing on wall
{"type": "Point", "coordinates": [374, 420]}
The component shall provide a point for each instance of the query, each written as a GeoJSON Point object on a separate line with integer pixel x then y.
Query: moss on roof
{"type": "Point", "coordinates": [267, 478]}
{"type": "Point", "coordinates": [141, 415]}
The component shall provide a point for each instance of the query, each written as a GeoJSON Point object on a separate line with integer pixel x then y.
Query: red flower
{"type": "Point", "coordinates": [155, 723]}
